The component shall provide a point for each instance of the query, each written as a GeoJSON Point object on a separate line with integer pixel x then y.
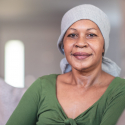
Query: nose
{"type": "Point", "coordinates": [81, 43]}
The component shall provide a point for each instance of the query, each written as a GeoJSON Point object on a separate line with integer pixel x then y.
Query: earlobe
{"type": "Point", "coordinates": [103, 52]}
{"type": "Point", "coordinates": [103, 49]}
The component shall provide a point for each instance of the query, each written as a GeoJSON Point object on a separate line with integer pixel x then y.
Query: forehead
{"type": "Point", "coordinates": [84, 23]}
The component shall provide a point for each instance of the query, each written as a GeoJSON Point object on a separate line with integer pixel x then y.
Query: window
{"type": "Point", "coordinates": [14, 63]}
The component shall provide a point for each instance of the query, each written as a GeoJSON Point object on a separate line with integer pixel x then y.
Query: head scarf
{"type": "Point", "coordinates": [90, 12]}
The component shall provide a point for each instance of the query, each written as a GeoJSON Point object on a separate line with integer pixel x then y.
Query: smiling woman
{"type": "Point", "coordinates": [89, 91]}
{"type": "Point", "coordinates": [84, 45]}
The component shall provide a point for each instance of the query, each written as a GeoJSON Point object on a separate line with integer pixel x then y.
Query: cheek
{"type": "Point", "coordinates": [97, 47]}
{"type": "Point", "coordinates": [68, 46]}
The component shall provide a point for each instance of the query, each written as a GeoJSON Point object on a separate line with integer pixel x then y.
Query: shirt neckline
{"type": "Point", "coordinates": [55, 96]}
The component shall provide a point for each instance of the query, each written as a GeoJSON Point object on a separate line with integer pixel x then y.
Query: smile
{"type": "Point", "coordinates": [81, 55]}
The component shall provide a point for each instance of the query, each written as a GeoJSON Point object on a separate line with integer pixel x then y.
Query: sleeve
{"type": "Point", "coordinates": [114, 109]}
{"type": "Point", "coordinates": [26, 111]}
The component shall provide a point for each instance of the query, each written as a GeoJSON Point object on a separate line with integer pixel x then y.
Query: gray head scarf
{"type": "Point", "coordinates": [87, 11]}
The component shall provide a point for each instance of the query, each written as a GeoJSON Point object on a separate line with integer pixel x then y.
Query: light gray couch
{"type": "Point", "coordinates": [9, 99]}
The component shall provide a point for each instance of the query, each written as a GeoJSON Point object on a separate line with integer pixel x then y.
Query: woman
{"type": "Point", "coordinates": [89, 92]}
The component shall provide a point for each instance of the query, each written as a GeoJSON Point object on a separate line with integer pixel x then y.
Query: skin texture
{"type": "Point", "coordinates": [84, 38]}
{"type": "Point", "coordinates": [86, 83]}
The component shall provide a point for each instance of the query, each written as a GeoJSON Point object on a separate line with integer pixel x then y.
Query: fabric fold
{"type": "Point", "coordinates": [70, 121]}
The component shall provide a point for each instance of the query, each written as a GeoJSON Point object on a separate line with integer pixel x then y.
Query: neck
{"type": "Point", "coordinates": [86, 78]}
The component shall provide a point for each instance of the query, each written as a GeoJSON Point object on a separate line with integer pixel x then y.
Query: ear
{"type": "Point", "coordinates": [103, 51]}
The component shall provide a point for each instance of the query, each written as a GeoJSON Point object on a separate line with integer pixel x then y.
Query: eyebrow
{"type": "Point", "coordinates": [91, 29]}
{"type": "Point", "coordinates": [73, 29]}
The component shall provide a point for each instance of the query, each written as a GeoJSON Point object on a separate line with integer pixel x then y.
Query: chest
{"type": "Point", "coordinates": [75, 101]}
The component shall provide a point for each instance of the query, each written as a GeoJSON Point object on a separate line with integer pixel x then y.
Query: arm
{"type": "Point", "coordinates": [26, 111]}
{"type": "Point", "coordinates": [114, 109]}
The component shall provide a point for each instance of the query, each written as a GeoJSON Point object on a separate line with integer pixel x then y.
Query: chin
{"type": "Point", "coordinates": [84, 66]}
{"type": "Point", "coordinates": [81, 68]}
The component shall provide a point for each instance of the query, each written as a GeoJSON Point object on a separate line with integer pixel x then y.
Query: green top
{"type": "Point", "coordinates": [39, 106]}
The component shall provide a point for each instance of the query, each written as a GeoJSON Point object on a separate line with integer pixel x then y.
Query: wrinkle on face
{"type": "Point", "coordinates": [84, 71]}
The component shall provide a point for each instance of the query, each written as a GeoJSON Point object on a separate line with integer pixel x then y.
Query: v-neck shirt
{"type": "Point", "coordinates": [39, 105]}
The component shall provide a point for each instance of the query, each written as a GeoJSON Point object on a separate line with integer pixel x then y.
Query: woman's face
{"type": "Point", "coordinates": [83, 45]}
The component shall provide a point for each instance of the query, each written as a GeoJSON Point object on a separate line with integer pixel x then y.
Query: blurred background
{"type": "Point", "coordinates": [30, 28]}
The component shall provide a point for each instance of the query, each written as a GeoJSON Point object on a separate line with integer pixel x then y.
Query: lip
{"type": "Point", "coordinates": [81, 55]}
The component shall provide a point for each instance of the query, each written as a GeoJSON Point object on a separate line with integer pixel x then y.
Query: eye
{"type": "Point", "coordinates": [72, 35]}
{"type": "Point", "coordinates": [91, 35]}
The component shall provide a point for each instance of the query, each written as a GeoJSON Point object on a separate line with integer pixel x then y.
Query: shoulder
{"type": "Point", "coordinates": [116, 88]}
{"type": "Point", "coordinates": [48, 77]}
{"type": "Point", "coordinates": [118, 83]}
{"type": "Point", "coordinates": [42, 81]}
{"type": "Point", "coordinates": [46, 80]}
{"type": "Point", "coordinates": [41, 85]}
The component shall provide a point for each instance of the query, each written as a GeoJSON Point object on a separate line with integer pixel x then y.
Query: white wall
{"type": "Point", "coordinates": [41, 54]}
